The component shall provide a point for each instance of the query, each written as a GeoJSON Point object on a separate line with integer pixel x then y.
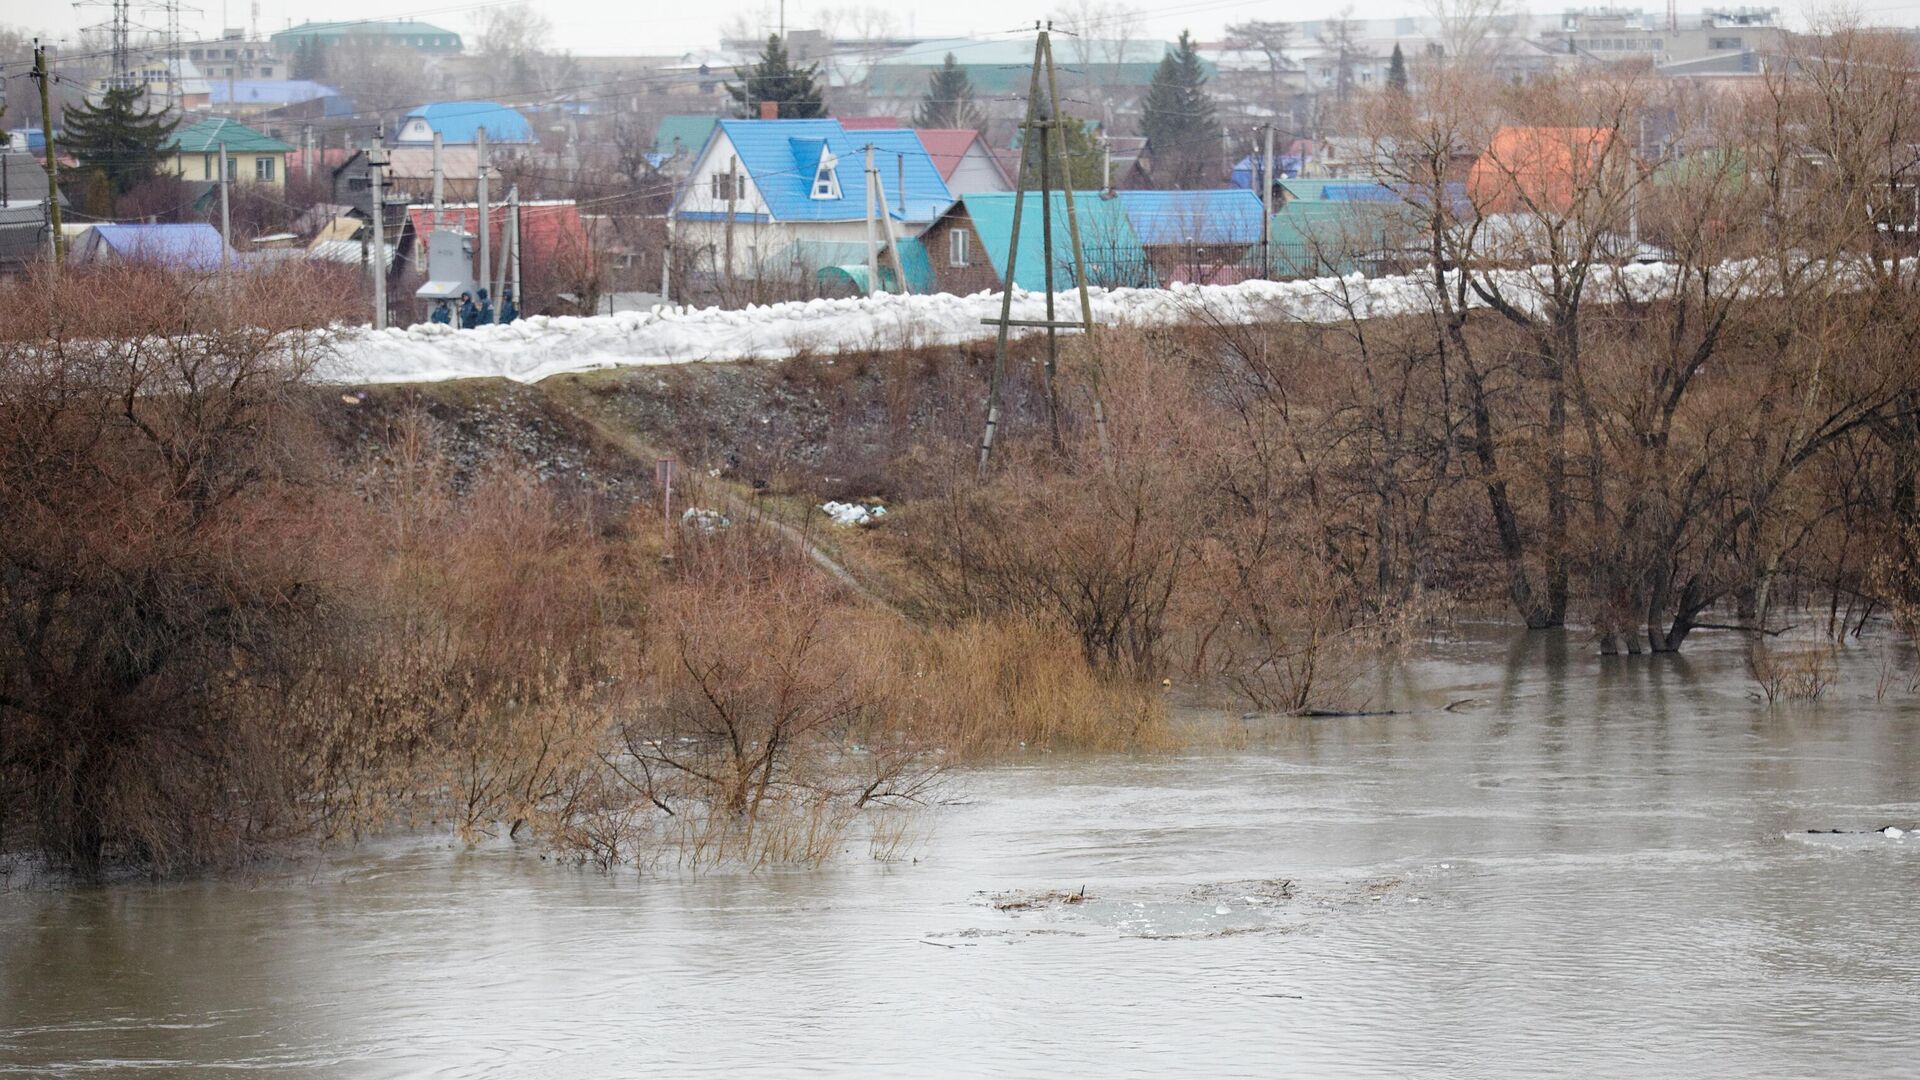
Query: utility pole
{"type": "Point", "coordinates": [506, 248]}
{"type": "Point", "coordinates": [733, 193]}
{"type": "Point", "coordinates": [666, 264]}
{"type": "Point", "coordinates": [893, 238]}
{"type": "Point", "coordinates": [480, 197]}
{"type": "Point", "coordinates": [1266, 206]}
{"type": "Point", "coordinates": [306, 153]}
{"type": "Point", "coordinates": [226, 218]}
{"type": "Point", "coordinates": [439, 184]}
{"type": "Point", "coordinates": [53, 158]}
{"type": "Point", "coordinates": [873, 257]}
{"type": "Point", "coordinates": [376, 167]}
{"type": "Point", "coordinates": [513, 196]}
{"type": "Point", "coordinates": [1043, 127]}
{"type": "Point", "coordinates": [1079, 258]}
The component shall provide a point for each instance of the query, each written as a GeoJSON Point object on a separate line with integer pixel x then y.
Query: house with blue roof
{"type": "Point", "coordinates": [761, 193]}
{"type": "Point", "coordinates": [1198, 236]}
{"type": "Point", "coordinates": [176, 247]}
{"type": "Point", "coordinates": [459, 124]}
{"type": "Point", "coordinates": [969, 246]}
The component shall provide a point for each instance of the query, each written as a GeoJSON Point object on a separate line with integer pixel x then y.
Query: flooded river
{"type": "Point", "coordinates": [1585, 868]}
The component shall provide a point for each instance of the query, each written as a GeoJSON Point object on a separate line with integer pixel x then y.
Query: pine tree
{"type": "Point", "coordinates": [118, 138]}
{"type": "Point", "coordinates": [1178, 120]}
{"type": "Point", "coordinates": [308, 61]}
{"type": "Point", "coordinates": [949, 100]}
{"type": "Point", "coordinates": [795, 89]}
{"type": "Point", "coordinates": [1397, 71]}
{"type": "Point", "coordinates": [1085, 160]}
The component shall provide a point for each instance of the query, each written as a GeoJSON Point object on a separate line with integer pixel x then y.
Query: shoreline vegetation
{"type": "Point", "coordinates": [246, 614]}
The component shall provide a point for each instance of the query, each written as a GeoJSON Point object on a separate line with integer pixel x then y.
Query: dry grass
{"type": "Point", "coordinates": [985, 688]}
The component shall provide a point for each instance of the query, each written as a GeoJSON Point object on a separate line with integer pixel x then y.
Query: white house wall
{"type": "Point", "coordinates": [976, 174]}
{"type": "Point", "coordinates": [697, 196]}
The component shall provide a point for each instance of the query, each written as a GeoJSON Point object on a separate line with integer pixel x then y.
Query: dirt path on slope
{"type": "Point", "coordinates": [732, 503]}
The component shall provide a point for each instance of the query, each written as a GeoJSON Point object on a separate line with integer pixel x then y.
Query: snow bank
{"type": "Point", "coordinates": [536, 347]}
{"type": "Point", "coordinates": [847, 515]}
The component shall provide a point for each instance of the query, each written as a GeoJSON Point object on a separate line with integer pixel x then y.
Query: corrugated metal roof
{"type": "Point", "coordinates": [686, 134]}
{"type": "Point", "coordinates": [186, 247]}
{"type": "Point", "coordinates": [948, 148]}
{"type": "Point", "coordinates": [268, 91]}
{"type": "Point", "coordinates": [209, 135]}
{"type": "Point", "coordinates": [770, 151]}
{"type": "Point", "coordinates": [1113, 252]}
{"type": "Point", "coordinates": [1169, 218]}
{"type": "Point", "coordinates": [460, 121]}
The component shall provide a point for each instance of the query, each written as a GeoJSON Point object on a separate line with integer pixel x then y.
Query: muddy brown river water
{"type": "Point", "coordinates": [1591, 868]}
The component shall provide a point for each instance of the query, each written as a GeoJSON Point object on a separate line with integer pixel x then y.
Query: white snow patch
{"type": "Point", "coordinates": [538, 346]}
{"type": "Point", "coordinates": [847, 515]}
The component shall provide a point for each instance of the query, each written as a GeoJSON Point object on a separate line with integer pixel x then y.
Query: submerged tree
{"type": "Point", "coordinates": [794, 90]}
{"type": "Point", "coordinates": [118, 138]}
{"type": "Point", "coordinates": [1178, 119]}
{"type": "Point", "coordinates": [949, 101]}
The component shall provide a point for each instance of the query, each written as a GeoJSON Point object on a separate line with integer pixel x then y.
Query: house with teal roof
{"type": "Point", "coordinates": [970, 245]}
{"type": "Point", "coordinates": [762, 193]}
{"type": "Point", "coordinates": [193, 153]}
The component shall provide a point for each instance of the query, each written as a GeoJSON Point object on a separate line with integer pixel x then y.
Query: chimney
{"type": "Point", "coordinates": [769, 110]}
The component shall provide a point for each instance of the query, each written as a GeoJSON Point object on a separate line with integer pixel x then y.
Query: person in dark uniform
{"type": "Point", "coordinates": [442, 314]}
{"type": "Point", "coordinates": [508, 312]}
{"type": "Point", "coordinates": [486, 308]}
{"type": "Point", "coordinates": [469, 315]}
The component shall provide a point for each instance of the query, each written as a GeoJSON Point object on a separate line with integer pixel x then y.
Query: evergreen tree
{"type": "Point", "coordinates": [1085, 160]}
{"type": "Point", "coordinates": [118, 137]}
{"type": "Point", "coordinates": [1397, 71]}
{"type": "Point", "coordinates": [308, 61]}
{"type": "Point", "coordinates": [795, 89]}
{"type": "Point", "coordinates": [949, 100]}
{"type": "Point", "coordinates": [1178, 120]}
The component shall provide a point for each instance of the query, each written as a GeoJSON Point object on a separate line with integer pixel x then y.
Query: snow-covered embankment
{"type": "Point", "coordinates": [534, 348]}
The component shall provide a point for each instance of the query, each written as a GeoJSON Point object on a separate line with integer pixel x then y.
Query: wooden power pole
{"type": "Point", "coordinates": [53, 161]}
{"type": "Point", "coordinates": [1046, 127]}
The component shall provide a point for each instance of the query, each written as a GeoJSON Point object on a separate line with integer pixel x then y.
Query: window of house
{"type": "Point", "coordinates": [263, 168]}
{"type": "Point", "coordinates": [826, 180]}
{"type": "Point", "coordinates": [1723, 43]}
{"type": "Point", "coordinates": [958, 243]}
{"type": "Point", "coordinates": [233, 167]}
{"type": "Point", "coordinates": [717, 186]}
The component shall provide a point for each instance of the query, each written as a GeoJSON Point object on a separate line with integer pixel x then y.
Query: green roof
{"type": "Point", "coordinates": [690, 131]}
{"type": "Point", "coordinates": [1317, 237]}
{"type": "Point", "coordinates": [1000, 66]}
{"type": "Point", "coordinates": [209, 135]}
{"type": "Point", "coordinates": [404, 32]}
{"type": "Point", "coordinates": [1113, 252]}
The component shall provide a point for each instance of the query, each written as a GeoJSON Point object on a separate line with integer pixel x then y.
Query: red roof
{"type": "Point", "coordinates": [869, 123]}
{"type": "Point", "coordinates": [324, 158]}
{"type": "Point", "coordinates": [948, 147]}
{"type": "Point", "coordinates": [549, 230]}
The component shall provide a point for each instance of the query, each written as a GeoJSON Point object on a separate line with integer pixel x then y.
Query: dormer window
{"type": "Point", "coordinates": [826, 181]}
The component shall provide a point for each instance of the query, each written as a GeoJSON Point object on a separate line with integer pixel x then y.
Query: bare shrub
{"type": "Point", "coordinates": [1790, 674]}
{"type": "Point", "coordinates": [160, 577]}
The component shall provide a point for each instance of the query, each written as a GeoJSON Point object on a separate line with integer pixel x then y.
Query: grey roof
{"type": "Point", "coordinates": [23, 234]}
{"type": "Point", "coordinates": [26, 180]}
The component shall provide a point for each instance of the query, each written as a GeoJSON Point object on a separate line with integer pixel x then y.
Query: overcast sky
{"type": "Point", "coordinates": [603, 27]}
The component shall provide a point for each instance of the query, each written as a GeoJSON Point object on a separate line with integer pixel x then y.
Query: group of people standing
{"type": "Point", "coordinates": [475, 314]}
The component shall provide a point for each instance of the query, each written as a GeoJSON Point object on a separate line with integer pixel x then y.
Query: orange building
{"type": "Point", "coordinates": [1538, 169]}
